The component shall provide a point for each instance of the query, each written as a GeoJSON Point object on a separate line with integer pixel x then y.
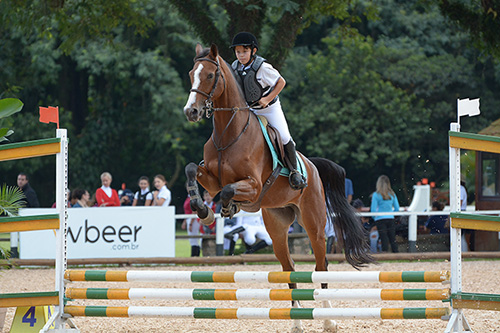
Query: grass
{"type": "Point", "coordinates": [182, 246]}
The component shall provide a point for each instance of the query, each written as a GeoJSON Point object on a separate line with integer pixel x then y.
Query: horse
{"type": "Point", "coordinates": [238, 164]}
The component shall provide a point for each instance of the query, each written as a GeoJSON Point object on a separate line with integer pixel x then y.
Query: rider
{"type": "Point", "coordinates": [261, 83]}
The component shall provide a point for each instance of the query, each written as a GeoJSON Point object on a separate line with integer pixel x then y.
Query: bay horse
{"type": "Point", "coordinates": [238, 164]}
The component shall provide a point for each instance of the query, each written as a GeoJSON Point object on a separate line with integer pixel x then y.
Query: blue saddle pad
{"type": "Point", "coordinates": [284, 171]}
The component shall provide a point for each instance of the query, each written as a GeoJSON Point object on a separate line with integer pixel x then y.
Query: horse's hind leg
{"type": "Point", "coordinates": [314, 219]}
{"type": "Point", "coordinates": [278, 221]}
{"type": "Point", "coordinates": [205, 214]}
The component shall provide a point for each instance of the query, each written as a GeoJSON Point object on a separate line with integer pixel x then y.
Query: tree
{"type": "Point", "coordinates": [480, 18]}
{"type": "Point", "coordinates": [275, 23]}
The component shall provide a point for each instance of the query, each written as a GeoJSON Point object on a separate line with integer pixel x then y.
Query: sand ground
{"type": "Point", "coordinates": [478, 276]}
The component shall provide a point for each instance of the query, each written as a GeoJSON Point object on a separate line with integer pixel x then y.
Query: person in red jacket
{"type": "Point", "coordinates": [105, 196]}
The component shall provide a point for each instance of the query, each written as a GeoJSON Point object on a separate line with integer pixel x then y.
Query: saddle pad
{"type": "Point", "coordinates": [284, 171]}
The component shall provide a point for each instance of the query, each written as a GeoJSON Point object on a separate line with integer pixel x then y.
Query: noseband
{"type": "Point", "coordinates": [209, 104]}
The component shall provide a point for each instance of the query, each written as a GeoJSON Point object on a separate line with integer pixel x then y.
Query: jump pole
{"type": "Point", "coordinates": [257, 277]}
{"type": "Point", "coordinates": [260, 294]}
{"type": "Point", "coordinates": [258, 313]}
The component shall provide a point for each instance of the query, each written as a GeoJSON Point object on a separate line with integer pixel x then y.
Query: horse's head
{"type": "Point", "coordinates": [204, 78]}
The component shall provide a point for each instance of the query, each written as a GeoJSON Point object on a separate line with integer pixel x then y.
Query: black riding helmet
{"type": "Point", "coordinates": [245, 39]}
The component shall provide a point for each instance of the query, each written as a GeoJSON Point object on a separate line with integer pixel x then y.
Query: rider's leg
{"type": "Point", "coordinates": [297, 181]}
{"type": "Point", "coordinates": [276, 118]}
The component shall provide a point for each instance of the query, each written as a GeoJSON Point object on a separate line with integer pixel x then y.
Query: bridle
{"type": "Point", "coordinates": [209, 110]}
{"type": "Point", "coordinates": [209, 104]}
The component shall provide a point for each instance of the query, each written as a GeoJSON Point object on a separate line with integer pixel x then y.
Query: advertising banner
{"type": "Point", "coordinates": [105, 232]}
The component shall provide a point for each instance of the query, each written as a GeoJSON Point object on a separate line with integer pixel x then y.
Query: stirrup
{"type": "Point", "coordinates": [297, 185]}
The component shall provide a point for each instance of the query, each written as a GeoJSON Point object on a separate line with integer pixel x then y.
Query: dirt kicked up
{"type": "Point", "coordinates": [478, 276]}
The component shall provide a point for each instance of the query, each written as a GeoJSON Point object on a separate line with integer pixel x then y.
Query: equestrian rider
{"type": "Point", "coordinates": [261, 83]}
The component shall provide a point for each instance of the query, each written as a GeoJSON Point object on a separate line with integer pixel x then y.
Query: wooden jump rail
{"type": "Point", "coordinates": [475, 222]}
{"type": "Point", "coordinates": [29, 299]}
{"type": "Point", "coordinates": [258, 313]}
{"type": "Point", "coordinates": [256, 277]}
{"type": "Point", "coordinates": [477, 142]}
{"type": "Point", "coordinates": [475, 301]}
{"type": "Point", "coordinates": [29, 223]}
{"type": "Point", "coordinates": [259, 294]}
{"type": "Point", "coordinates": [28, 149]}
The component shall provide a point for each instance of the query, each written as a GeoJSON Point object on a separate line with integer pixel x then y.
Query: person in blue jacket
{"type": "Point", "coordinates": [385, 200]}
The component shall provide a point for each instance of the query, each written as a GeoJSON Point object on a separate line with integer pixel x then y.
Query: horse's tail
{"type": "Point", "coordinates": [348, 227]}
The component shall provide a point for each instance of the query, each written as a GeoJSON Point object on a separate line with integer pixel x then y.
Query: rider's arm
{"type": "Point", "coordinates": [264, 101]}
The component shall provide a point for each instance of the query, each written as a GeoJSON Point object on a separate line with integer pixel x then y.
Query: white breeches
{"type": "Point", "coordinates": [193, 228]}
{"type": "Point", "coordinates": [276, 118]}
{"type": "Point", "coordinates": [252, 232]}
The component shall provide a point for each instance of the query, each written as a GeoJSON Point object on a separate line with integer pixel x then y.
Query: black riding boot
{"type": "Point", "coordinates": [296, 180]}
{"type": "Point", "coordinates": [229, 235]}
{"type": "Point", "coordinates": [232, 244]}
{"type": "Point", "coordinates": [195, 251]}
{"type": "Point", "coordinates": [260, 245]}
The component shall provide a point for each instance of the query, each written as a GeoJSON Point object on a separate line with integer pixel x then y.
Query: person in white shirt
{"type": "Point", "coordinates": [162, 196]}
{"type": "Point", "coordinates": [251, 229]}
{"type": "Point", "coordinates": [143, 197]}
{"type": "Point", "coordinates": [261, 84]}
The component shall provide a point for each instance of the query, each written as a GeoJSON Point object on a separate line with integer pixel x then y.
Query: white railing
{"type": "Point", "coordinates": [412, 227]}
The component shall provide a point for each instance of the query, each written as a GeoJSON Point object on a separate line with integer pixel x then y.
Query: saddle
{"type": "Point", "coordinates": [277, 149]}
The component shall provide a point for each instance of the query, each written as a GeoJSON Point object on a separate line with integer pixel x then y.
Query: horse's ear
{"type": "Point", "coordinates": [199, 48]}
{"type": "Point", "coordinates": [214, 51]}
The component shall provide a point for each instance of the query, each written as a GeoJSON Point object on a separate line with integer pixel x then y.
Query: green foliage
{"type": "Point", "coordinates": [370, 84]}
{"type": "Point", "coordinates": [480, 19]}
{"type": "Point", "coordinates": [350, 114]}
{"type": "Point", "coordinates": [8, 107]}
{"type": "Point", "coordinates": [11, 200]}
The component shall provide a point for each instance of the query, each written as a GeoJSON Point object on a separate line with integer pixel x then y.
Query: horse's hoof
{"type": "Point", "coordinates": [209, 219]}
{"type": "Point", "coordinates": [330, 326]}
{"type": "Point", "coordinates": [297, 329]}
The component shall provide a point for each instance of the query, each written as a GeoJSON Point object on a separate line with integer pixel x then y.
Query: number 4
{"type": "Point", "coordinates": [29, 316]}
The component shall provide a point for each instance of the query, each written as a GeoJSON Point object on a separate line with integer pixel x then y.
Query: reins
{"type": "Point", "coordinates": [209, 110]}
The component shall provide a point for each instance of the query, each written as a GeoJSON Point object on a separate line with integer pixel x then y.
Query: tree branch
{"type": "Point", "coordinates": [197, 16]}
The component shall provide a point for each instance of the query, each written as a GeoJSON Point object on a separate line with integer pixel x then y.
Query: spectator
{"type": "Point", "coordinates": [193, 229]}
{"type": "Point", "coordinates": [369, 225]}
{"type": "Point", "coordinates": [69, 199]}
{"type": "Point", "coordinates": [254, 229]}
{"type": "Point", "coordinates": [208, 200]}
{"type": "Point", "coordinates": [81, 198]}
{"type": "Point", "coordinates": [436, 224]}
{"type": "Point", "coordinates": [143, 197]}
{"type": "Point", "coordinates": [31, 199]}
{"type": "Point", "coordinates": [162, 196]}
{"type": "Point", "coordinates": [105, 195]}
{"type": "Point", "coordinates": [384, 200]}
{"type": "Point", "coordinates": [349, 190]}
{"type": "Point", "coordinates": [126, 196]}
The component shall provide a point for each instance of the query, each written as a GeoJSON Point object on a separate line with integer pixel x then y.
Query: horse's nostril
{"type": "Point", "coordinates": [194, 112]}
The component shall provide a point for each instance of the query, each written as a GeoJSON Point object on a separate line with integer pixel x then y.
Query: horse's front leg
{"type": "Point", "coordinates": [205, 214]}
{"type": "Point", "coordinates": [243, 190]}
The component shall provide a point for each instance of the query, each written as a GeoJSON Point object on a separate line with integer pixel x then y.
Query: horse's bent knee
{"type": "Point", "coordinates": [191, 170]}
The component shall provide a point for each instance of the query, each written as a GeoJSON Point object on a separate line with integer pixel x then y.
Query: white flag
{"type": "Point", "coordinates": [467, 107]}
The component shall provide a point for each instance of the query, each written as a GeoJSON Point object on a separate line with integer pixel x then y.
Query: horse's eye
{"type": "Point", "coordinates": [210, 76]}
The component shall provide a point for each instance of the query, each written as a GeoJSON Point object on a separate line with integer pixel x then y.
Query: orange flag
{"type": "Point", "coordinates": [49, 115]}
